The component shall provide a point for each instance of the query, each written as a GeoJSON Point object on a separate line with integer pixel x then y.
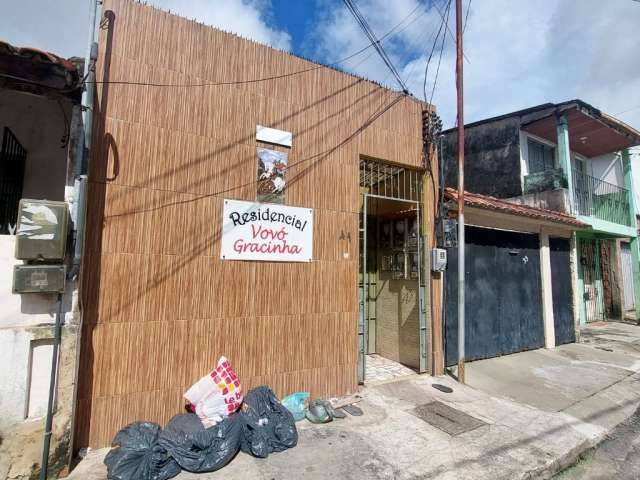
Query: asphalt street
{"type": "Point", "coordinates": [617, 457]}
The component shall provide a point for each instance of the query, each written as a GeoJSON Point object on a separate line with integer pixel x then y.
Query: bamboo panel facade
{"type": "Point", "coordinates": [159, 305]}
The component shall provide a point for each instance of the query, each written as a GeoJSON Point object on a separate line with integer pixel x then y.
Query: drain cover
{"type": "Point", "coordinates": [449, 420]}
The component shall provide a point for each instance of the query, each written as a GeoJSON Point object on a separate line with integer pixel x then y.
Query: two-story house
{"type": "Point", "coordinates": [572, 158]}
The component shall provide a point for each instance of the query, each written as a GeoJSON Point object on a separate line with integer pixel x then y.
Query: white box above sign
{"type": "Point", "coordinates": [271, 135]}
{"type": "Point", "coordinates": [267, 232]}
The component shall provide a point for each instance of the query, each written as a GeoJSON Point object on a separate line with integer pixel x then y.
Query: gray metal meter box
{"type": "Point", "coordinates": [42, 230]}
{"type": "Point", "coordinates": [38, 278]}
{"type": "Point", "coordinates": [450, 233]}
{"type": "Point", "coordinates": [438, 260]}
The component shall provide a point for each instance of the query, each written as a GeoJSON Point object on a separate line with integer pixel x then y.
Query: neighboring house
{"type": "Point", "coordinates": [572, 158]}
{"type": "Point", "coordinates": [39, 126]}
{"type": "Point", "coordinates": [520, 265]}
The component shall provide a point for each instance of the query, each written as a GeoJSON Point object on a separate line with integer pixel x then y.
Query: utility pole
{"type": "Point", "coordinates": [461, 244]}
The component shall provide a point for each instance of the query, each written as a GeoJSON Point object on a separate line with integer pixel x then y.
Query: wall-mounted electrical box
{"type": "Point", "coordinates": [438, 260]}
{"type": "Point", "coordinates": [38, 278]}
{"type": "Point", "coordinates": [449, 233]}
{"type": "Point", "coordinates": [42, 230]}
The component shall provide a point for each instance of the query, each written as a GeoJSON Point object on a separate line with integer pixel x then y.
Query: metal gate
{"type": "Point", "coordinates": [562, 291]}
{"type": "Point", "coordinates": [592, 295]}
{"type": "Point", "coordinates": [627, 276]}
{"type": "Point", "coordinates": [388, 182]}
{"type": "Point", "coordinates": [12, 164]}
{"type": "Point", "coordinates": [503, 295]}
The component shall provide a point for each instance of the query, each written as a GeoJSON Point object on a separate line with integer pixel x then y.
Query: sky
{"type": "Point", "coordinates": [518, 53]}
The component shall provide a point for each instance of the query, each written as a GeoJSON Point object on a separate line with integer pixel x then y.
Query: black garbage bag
{"type": "Point", "coordinates": [267, 425]}
{"type": "Point", "coordinates": [137, 456]}
{"type": "Point", "coordinates": [198, 449]}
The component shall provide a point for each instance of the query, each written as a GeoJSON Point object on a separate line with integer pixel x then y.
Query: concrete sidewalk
{"type": "Point", "coordinates": [541, 410]}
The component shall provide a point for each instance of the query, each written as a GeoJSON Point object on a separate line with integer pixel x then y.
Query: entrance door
{"type": "Point", "coordinates": [592, 280]}
{"type": "Point", "coordinates": [380, 182]}
{"type": "Point", "coordinates": [627, 276]}
{"type": "Point", "coordinates": [562, 292]}
{"type": "Point", "coordinates": [503, 311]}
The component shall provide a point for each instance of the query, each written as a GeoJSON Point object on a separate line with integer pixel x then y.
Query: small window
{"type": "Point", "coordinates": [541, 156]}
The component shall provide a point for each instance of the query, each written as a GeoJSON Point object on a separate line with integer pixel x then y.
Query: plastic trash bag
{"type": "Point", "coordinates": [267, 425]}
{"type": "Point", "coordinates": [137, 456]}
{"type": "Point", "coordinates": [297, 403]}
{"type": "Point", "coordinates": [216, 395]}
{"type": "Point", "coordinates": [198, 449]}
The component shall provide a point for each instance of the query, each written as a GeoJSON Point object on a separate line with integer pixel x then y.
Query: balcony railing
{"type": "Point", "coordinates": [597, 198]}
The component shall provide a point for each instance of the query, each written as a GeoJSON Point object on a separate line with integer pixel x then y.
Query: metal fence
{"type": "Point", "coordinates": [12, 163]}
{"type": "Point", "coordinates": [600, 199]}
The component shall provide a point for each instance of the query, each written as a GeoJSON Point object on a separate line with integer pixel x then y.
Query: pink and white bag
{"type": "Point", "coordinates": [216, 395]}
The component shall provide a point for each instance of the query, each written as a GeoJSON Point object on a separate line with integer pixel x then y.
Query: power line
{"type": "Point", "coordinates": [375, 42]}
{"type": "Point", "coordinates": [315, 158]}
{"type": "Point", "coordinates": [433, 47]}
{"type": "Point", "coordinates": [425, 32]}
{"type": "Point", "coordinates": [466, 17]}
{"type": "Point", "coordinates": [408, 53]}
{"type": "Point", "coordinates": [444, 37]}
{"type": "Point", "coordinates": [449, 30]}
{"type": "Point", "coordinates": [234, 82]}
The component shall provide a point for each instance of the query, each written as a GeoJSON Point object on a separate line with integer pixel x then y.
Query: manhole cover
{"type": "Point", "coordinates": [447, 419]}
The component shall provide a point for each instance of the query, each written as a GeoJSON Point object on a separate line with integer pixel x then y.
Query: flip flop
{"type": "Point", "coordinates": [442, 388]}
{"type": "Point", "coordinates": [330, 410]}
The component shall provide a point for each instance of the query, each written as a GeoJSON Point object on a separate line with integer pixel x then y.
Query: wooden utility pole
{"type": "Point", "coordinates": [461, 267]}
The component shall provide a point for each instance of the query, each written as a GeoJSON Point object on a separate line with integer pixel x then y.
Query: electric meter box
{"type": "Point", "coordinates": [38, 278]}
{"type": "Point", "coordinates": [42, 230]}
{"type": "Point", "coordinates": [438, 260]}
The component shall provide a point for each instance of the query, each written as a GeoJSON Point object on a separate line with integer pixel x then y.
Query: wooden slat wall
{"type": "Point", "coordinates": [159, 305]}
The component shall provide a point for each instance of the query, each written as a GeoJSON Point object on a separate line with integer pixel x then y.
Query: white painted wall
{"type": "Point", "coordinates": [20, 310]}
{"type": "Point", "coordinates": [608, 168]}
{"type": "Point", "coordinates": [23, 319]}
{"type": "Point", "coordinates": [39, 124]}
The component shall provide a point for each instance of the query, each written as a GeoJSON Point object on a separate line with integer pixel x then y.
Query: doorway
{"type": "Point", "coordinates": [392, 323]}
{"type": "Point", "coordinates": [627, 277]}
{"type": "Point", "coordinates": [592, 297]}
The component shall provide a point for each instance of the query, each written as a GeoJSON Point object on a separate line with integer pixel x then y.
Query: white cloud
{"type": "Point", "coordinates": [61, 27]}
{"type": "Point", "coordinates": [520, 53]}
{"type": "Point", "coordinates": [248, 18]}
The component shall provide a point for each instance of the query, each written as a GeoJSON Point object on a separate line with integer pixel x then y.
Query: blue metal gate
{"type": "Point", "coordinates": [502, 298]}
{"type": "Point", "coordinates": [562, 291]}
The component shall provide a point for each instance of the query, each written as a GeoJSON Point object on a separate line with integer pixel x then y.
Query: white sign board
{"type": "Point", "coordinates": [267, 232]}
{"type": "Point", "coordinates": [273, 135]}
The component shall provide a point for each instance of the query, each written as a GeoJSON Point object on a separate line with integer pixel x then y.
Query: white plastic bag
{"type": "Point", "coordinates": [216, 395]}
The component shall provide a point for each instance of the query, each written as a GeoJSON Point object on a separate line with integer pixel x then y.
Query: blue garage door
{"type": "Point", "coordinates": [503, 307]}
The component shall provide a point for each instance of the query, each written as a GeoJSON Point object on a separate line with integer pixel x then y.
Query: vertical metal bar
{"type": "Point", "coordinates": [461, 243]}
{"type": "Point", "coordinates": [52, 388]}
{"type": "Point", "coordinates": [365, 296]}
{"type": "Point", "coordinates": [422, 321]}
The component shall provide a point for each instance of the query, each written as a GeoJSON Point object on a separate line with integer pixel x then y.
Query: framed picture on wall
{"type": "Point", "coordinates": [271, 176]}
